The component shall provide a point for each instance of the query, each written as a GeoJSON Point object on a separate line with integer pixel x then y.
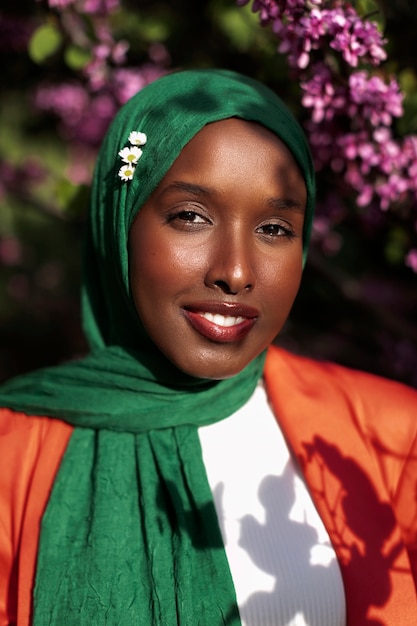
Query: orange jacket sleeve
{"type": "Point", "coordinates": [354, 436]}
{"type": "Point", "coordinates": [30, 453]}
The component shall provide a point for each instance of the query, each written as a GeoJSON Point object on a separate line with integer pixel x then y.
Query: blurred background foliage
{"type": "Point", "coordinates": [66, 68]}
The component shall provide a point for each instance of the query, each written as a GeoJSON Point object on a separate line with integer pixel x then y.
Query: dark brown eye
{"type": "Point", "coordinates": [190, 216]}
{"type": "Point", "coordinates": [184, 219]}
{"type": "Point", "coordinates": [275, 230]}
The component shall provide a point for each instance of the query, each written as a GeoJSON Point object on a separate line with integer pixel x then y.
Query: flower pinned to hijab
{"type": "Point", "coordinates": [137, 139]}
{"type": "Point", "coordinates": [126, 172]}
{"type": "Point", "coordinates": [131, 154]}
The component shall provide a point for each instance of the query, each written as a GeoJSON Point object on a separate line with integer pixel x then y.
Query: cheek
{"type": "Point", "coordinates": [279, 284]}
{"type": "Point", "coordinates": [161, 269]}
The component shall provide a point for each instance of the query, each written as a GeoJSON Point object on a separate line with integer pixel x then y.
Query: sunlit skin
{"type": "Point", "coordinates": [220, 235]}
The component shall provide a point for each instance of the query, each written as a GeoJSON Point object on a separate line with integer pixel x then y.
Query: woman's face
{"type": "Point", "coordinates": [216, 251]}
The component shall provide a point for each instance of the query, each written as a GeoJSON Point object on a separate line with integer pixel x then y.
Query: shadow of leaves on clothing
{"type": "Point", "coordinates": [285, 548]}
{"type": "Point", "coordinates": [362, 535]}
{"type": "Point", "coordinates": [406, 493]}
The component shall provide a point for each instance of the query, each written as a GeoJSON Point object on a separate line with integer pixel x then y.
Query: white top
{"type": "Point", "coordinates": [283, 565]}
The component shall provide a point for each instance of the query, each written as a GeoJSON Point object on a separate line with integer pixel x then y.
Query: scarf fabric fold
{"type": "Point", "coordinates": [130, 534]}
{"type": "Point", "coordinates": [145, 546]}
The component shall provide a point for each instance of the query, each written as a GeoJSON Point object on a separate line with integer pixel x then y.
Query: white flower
{"type": "Point", "coordinates": [126, 172]}
{"type": "Point", "coordinates": [130, 155]}
{"type": "Point", "coordinates": [137, 139]}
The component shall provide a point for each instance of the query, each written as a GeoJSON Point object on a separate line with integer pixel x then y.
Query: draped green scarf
{"type": "Point", "coordinates": [130, 534]}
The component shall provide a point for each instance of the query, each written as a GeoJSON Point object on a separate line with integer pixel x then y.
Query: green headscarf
{"type": "Point", "coordinates": [130, 534]}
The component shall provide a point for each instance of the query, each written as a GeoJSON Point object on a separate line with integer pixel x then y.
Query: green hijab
{"type": "Point", "coordinates": [130, 534]}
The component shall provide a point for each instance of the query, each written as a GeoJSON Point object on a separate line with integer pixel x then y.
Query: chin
{"type": "Point", "coordinates": [210, 370]}
{"type": "Point", "coordinates": [210, 373]}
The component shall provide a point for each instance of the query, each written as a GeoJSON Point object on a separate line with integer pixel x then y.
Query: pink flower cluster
{"type": "Point", "coordinates": [94, 7]}
{"type": "Point", "coordinates": [81, 117]}
{"type": "Point", "coordinates": [85, 106]}
{"type": "Point", "coordinates": [303, 26]}
{"type": "Point", "coordinates": [333, 51]}
{"type": "Point", "coordinates": [84, 115]}
{"type": "Point", "coordinates": [19, 178]}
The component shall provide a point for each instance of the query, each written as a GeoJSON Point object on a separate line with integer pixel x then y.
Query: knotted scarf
{"type": "Point", "coordinates": [130, 534]}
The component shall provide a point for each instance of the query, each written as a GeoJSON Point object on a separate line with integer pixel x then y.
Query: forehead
{"type": "Point", "coordinates": [238, 152]}
{"type": "Point", "coordinates": [230, 133]}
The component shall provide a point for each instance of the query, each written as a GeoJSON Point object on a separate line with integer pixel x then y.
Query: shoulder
{"type": "Point", "coordinates": [26, 444]}
{"type": "Point", "coordinates": [325, 396]}
{"type": "Point", "coordinates": [376, 415]}
{"type": "Point", "coordinates": [29, 431]}
{"type": "Point", "coordinates": [29, 447]}
{"type": "Point", "coordinates": [361, 390]}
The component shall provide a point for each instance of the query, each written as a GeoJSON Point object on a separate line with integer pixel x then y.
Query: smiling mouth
{"type": "Point", "coordinates": [222, 320]}
{"type": "Point", "coordinates": [222, 327]}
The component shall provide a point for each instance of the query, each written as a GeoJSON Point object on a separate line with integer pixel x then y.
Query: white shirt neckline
{"type": "Point", "coordinates": [281, 559]}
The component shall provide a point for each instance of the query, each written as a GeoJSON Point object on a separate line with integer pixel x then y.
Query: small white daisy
{"type": "Point", "coordinates": [137, 139]}
{"type": "Point", "coordinates": [130, 155]}
{"type": "Point", "coordinates": [126, 172]}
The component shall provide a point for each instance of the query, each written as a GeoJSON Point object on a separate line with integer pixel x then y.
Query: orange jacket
{"type": "Point", "coordinates": [355, 437]}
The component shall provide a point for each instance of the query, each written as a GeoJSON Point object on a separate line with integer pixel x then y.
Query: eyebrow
{"type": "Point", "coordinates": [280, 204]}
{"type": "Point", "coordinates": [196, 190]}
{"type": "Point", "coordinates": [277, 204]}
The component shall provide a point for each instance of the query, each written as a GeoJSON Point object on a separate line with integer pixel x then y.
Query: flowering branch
{"type": "Point", "coordinates": [102, 79]}
{"type": "Point", "coordinates": [351, 109]}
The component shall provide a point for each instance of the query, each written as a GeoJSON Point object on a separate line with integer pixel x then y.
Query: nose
{"type": "Point", "coordinates": [231, 267]}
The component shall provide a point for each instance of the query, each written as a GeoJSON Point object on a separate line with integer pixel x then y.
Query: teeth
{"type": "Point", "coordinates": [222, 320]}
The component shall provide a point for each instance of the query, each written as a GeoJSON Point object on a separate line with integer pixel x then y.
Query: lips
{"type": "Point", "coordinates": [221, 322]}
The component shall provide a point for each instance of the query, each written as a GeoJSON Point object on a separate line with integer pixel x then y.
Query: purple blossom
{"type": "Point", "coordinates": [105, 54]}
{"type": "Point", "coordinates": [366, 194]}
{"type": "Point", "coordinates": [354, 37]}
{"type": "Point", "coordinates": [373, 98]}
{"type": "Point", "coordinates": [19, 177]}
{"type": "Point", "coordinates": [268, 9]}
{"type": "Point", "coordinates": [411, 259]}
{"type": "Point", "coordinates": [119, 52]}
{"type": "Point", "coordinates": [85, 111]}
{"type": "Point", "coordinates": [322, 95]}
{"type": "Point", "coordinates": [329, 240]}
{"type": "Point", "coordinates": [302, 27]}
{"type": "Point", "coordinates": [321, 141]}
{"type": "Point", "coordinates": [91, 126]}
{"type": "Point", "coordinates": [350, 113]}
{"type": "Point", "coordinates": [391, 191]}
{"type": "Point", "coordinates": [67, 101]}
{"type": "Point", "coordinates": [100, 7]}
{"type": "Point", "coordinates": [92, 7]}
{"type": "Point", "coordinates": [83, 117]}
{"type": "Point", "coordinates": [315, 24]}
{"type": "Point", "coordinates": [60, 4]}
{"type": "Point", "coordinates": [409, 155]}
{"type": "Point", "coordinates": [126, 82]}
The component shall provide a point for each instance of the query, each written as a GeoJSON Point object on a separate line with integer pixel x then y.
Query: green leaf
{"type": "Point", "coordinates": [408, 80]}
{"type": "Point", "coordinates": [370, 10]}
{"type": "Point", "coordinates": [44, 42]}
{"type": "Point", "coordinates": [65, 192]}
{"type": "Point", "coordinates": [396, 246]}
{"type": "Point", "coordinates": [76, 58]}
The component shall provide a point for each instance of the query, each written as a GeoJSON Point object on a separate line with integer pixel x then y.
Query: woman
{"type": "Point", "coordinates": [135, 499]}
